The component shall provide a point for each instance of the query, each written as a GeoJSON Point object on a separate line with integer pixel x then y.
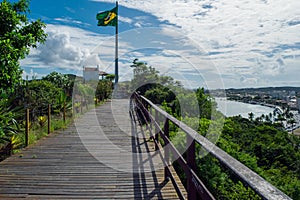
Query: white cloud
{"type": "Point", "coordinates": [65, 47]}
{"type": "Point", "coordinates": [68, 48]}
{"type": "Point", "coordinates": [234, 29]}
{"type": "Point", "coordinates": [58, 48]}
{"type": "Point", "coordinates": [248, 43]}
{"type": "Point", "coordinates": [125, 19]}
{"type": "Point", "coordinates": [71, 21]}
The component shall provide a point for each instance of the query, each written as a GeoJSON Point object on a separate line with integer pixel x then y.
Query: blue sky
{"type": "Point", "coordinates": [210, 43]}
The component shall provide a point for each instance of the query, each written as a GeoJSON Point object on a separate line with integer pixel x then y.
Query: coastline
{"type": "Point", "coordinates": [233, 108]}
{"type": "Point", "coordinates": [293, 129]}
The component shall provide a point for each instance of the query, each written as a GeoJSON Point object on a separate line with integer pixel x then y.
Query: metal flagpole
{"type": "Point", "coordinates": [116, 50]}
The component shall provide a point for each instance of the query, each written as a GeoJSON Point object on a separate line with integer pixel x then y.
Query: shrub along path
{"type": "Point", "coordinates": [103, 155]}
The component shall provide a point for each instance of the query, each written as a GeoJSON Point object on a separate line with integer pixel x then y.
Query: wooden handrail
{"type": "Point", "coordinates": [263, 188]}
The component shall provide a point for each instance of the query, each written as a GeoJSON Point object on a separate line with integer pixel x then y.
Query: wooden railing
{"type": "Point", "coordinates": [195, 188]}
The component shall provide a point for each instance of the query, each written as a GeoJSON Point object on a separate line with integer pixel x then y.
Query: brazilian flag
{"type": "Point", "coordinates": [108, 18]}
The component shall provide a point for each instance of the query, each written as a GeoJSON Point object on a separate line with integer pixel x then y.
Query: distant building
{"type": "Point", "coordinates": [292, 93]}
{"type": "Point", "coordinates": [92, 73]}
{"type": "Point", "coordinates": [298, 104]}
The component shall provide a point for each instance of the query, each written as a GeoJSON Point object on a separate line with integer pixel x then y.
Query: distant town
{"type": "Point", "coordinates": [282, 99]}
{"type": "Point", "coordinates": [270, 96]}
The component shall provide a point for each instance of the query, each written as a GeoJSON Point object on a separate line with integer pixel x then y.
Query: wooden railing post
{"type": "Point", "coordinates": [191, 161]}
{"type": "Point", "coordinates": [166, 148]}
{"type": "Point", "coordinates": [27, 128]}
{"type": "Point", "coordinates": [86, 102]}
{"type": "Point", "coordinates": [156, 130]}
{"type": "Point", "coordinates": [64, 112]}
{"type": "Point", "coordinates": [151, 124]}
{"type": "Point", "coordinates": [49, 119]}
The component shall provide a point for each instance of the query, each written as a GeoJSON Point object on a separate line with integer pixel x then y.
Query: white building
{"type": "Point", "coordinates": [90, 73]}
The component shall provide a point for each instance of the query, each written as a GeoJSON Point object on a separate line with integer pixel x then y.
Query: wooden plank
{"type": "Point", "coordinates": [61, 167]}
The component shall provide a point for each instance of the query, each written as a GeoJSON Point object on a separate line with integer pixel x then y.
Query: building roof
{"type": "Point", "coordinates": [102, 73]}
{"type": "Point", "coordinates": [90, 69]}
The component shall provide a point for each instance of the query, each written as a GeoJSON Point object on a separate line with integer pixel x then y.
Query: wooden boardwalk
{"type": "Point", "coordinates": [103, 155]}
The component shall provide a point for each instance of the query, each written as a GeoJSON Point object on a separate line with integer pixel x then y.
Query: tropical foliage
{"type": "Point", "coordinates": [259, 143]}
{"type": "Point", "coordinates": [58, 90]}
{"type": "Point", "coordinates": [17, 36]}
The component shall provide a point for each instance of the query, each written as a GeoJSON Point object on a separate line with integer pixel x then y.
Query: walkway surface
{"type": "Point", "coordinates": [103, 155]}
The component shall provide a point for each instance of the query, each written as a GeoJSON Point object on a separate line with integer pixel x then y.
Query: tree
{"type": "Point", "coordinates": [144, 76]}
{"type": "Point", "coordinates": [206, 105]}
{"type": "Point", "coordinates": [251, 116]}
{"type": "Point", "coordinates": [63, 81]}
{"type": "Point", "coordinates": [42, 93]}
{"type": "Point", "coordinates": [271, 152]}
{"type": "Point", "coordinates": [104, 89]}
{"type": "Point", "coordinates": [17, 36]}
{"type": "Point", "coordinates": [280, 118]}
{"type": "Point", "coordinates": [110, 77]}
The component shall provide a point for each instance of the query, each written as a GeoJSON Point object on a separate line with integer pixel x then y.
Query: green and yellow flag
{"type": "Point", "coordinates": [108, 18]}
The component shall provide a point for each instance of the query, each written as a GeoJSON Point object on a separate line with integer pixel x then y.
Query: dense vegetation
{"type": "Point", "coordinates": [60, 91]}
{"type": "Point", "coordinates": [261, 144]}
{"type": "Point", "coordinates": [17, 36]}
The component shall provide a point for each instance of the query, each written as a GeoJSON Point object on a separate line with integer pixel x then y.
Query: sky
{"type": "Point", "coordinates": [202, 43]}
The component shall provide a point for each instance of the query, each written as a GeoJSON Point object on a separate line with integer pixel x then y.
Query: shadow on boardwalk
{"type": "Point", "coordinates": [103, 155]}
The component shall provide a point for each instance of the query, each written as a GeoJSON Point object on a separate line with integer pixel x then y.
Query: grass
{"type": "Point", "coordinates": [37, 132]}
